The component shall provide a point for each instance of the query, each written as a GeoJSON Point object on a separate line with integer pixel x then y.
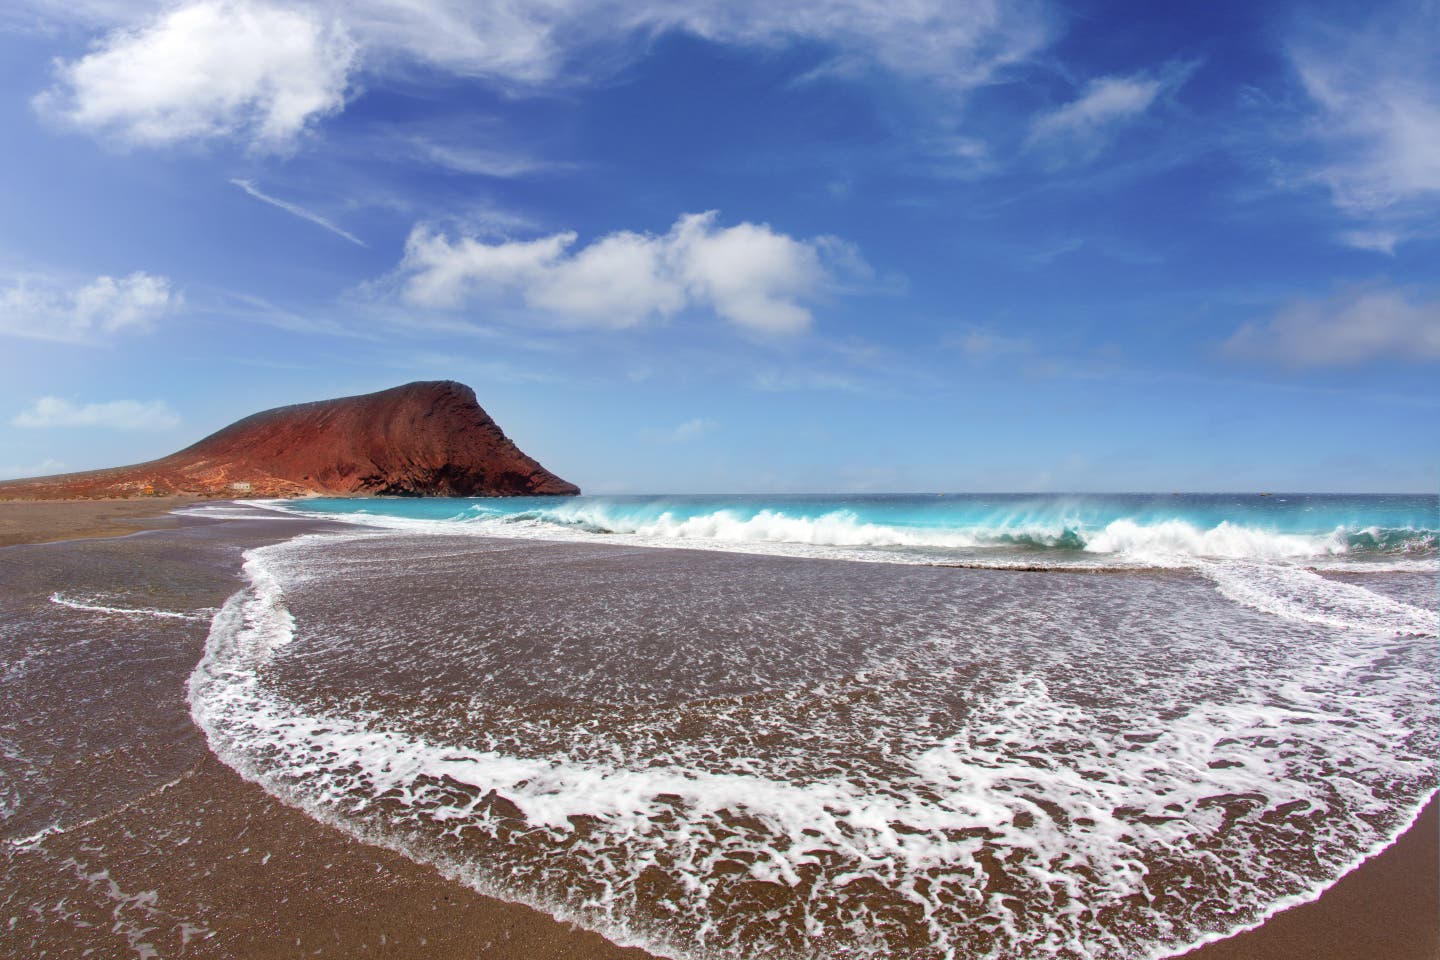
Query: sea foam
{"type": "Point", "coordinates": [1035, 821]}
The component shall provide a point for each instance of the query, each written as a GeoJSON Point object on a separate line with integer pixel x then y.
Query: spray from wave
{"type": "Point", "coordinates": [930, 530]}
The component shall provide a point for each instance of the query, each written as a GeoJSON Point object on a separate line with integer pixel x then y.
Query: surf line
{"type": "Point", "coordinates": [60, 599]}
{"type": "Point", "coordinates": [55, 829]}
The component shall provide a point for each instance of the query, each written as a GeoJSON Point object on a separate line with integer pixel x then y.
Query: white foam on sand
{"type": "Point", "coordinates": [1296, 593]}
{"type": "Point", "coordinates": [93, 604]}
{"type": "Point", "coordinates": [1044, 824]}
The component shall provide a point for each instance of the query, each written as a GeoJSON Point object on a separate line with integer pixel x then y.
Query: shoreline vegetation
{"type": "Point", "coordinates": [1386, 908]}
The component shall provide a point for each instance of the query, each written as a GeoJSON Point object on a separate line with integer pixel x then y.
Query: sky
{"type": "Point", "coordinates": [739, 246]}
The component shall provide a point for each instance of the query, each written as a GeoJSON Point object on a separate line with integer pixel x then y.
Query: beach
{"type": "Point", "coordinates": [43, 521]}
{"type": "Point", "coordinates": [127, 836]}
{"type": "Point", "coordinates": [160, 846]}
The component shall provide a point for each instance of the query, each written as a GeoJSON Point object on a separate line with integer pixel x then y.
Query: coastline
{"type": "Point", "coordinates": [238, 841]}
{"type": "Point", "coordinates": [1388, 907]}
{"type": "Point", "coordinates": [146, 843]}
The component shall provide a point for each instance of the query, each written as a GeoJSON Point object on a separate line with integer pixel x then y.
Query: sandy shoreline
{"type": "Point", "coordinates": [46, 521]}
{"type": "Point", "coordinates": [257, 879]}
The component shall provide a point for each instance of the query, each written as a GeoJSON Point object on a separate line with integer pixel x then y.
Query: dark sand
{"type": "Point", "coordinates": [44, 521]}
{"type": "Point", "coordinates": [1387, 909]}
{"type": "Point", "coordinates": [164, 846]}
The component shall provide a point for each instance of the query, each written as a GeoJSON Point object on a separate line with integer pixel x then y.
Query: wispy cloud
{"type": "Point", "coordinates": [980, 345]}
{"type": "Point", "coordinates": [749, 274]}
{"type": "Point", "coordinates": [1375, 94]}
{"type": "Point", "coordinates": [805, 380]}
{"type": "Point", "coordinates": [1086, 125]}
{"type": "Point", "coordinates": [40, 308]}
{"type": "Point", "coordinates": [480, 144]}
{"type": "Point", "coordinates": [52, 412]}
{"type": "Point", "coordinates": [1379, 239]}
{"type": "Point", "coordinates": [252, 309]}
{"type": "Point", "coordinates": [1352, 327]}
{"type": "Point", "coordinates": [681, 433]}
{"type": "Point", "coordinates": [483, 161]}
{"type": "Point", "coordinates": [296, 210]}
{"type": "Point", "coordinates": [960, 45]}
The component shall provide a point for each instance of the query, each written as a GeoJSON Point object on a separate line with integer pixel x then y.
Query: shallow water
{"type": "Point", "coordinates": [1007, 530]}
{"type": "Point", "coordinates": [719, 754]}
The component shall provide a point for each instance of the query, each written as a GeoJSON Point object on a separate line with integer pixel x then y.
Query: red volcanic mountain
{"type": "Point", "coordinates": [419, 440]}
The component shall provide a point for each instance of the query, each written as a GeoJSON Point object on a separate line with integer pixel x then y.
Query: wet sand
{"type": "Point", "coordinates": [162, 850]}
{"type": "Point", "coordinates": [45, 521]}
{"type": "Point", "coordinates": [163, 845]}
{"type": "Point", "coordinates": [1387, 908]}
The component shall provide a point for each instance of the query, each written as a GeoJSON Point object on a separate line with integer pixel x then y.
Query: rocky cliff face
{"type": "Point", "coordinates": [422, 439]}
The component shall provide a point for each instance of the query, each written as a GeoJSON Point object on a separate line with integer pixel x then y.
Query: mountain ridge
{"type": "Point", "coordinates": [427, 438]}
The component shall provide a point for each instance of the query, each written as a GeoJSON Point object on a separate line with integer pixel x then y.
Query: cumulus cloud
{"type": "Point", "coordinates": [264, 71]}
{"type": "Point", "coordinates": [214, 68]}
{"type": "Point", "coordinates": [1350, 328]}
{"type": "Point", "coordinates": [38, 308]}
{"type": "Point", "coordinates": [50, 412]}
{"type": "Point", "coordinates": [747, 274]}
{"type": "Point", "coordinates": [1374, 93]}
{"type": "Point", "coordinates": [1087, 123]}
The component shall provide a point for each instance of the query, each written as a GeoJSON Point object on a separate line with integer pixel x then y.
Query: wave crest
{"type": "Point", "coordinates": [1142, 540]}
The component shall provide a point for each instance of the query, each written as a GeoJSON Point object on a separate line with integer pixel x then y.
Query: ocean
{"type": "Point", "coordinates": [850, 726]}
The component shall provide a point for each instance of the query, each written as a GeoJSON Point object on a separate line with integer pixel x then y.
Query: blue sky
{"type": "Point", "coordinates": [739, 246]}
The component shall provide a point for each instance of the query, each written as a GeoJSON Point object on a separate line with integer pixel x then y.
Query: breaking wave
{"type": "Point", "coordinates": [920, 532]}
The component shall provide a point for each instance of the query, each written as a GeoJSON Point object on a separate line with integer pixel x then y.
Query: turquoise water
{"type": "Point", "coordinates": [1006, 529]}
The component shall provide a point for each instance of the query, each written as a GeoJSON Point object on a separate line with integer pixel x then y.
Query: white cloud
{"type": "Point", "coordinates": [1087, 123]}
{"type": "Point", "coordinates": [442, 273]}
{"type": "Point", "coordinates": [751, 275]}
{"type": "Point", "coordinates": [1375, 96]}
{"type": "Point", "coordinates": [216, 68]}
{"type": "Point", "coordinates": [262, 72]}
{"type": "Point", "coordinates": [1350, 328]}
{"type": "Point", "coordinates": [44, 468]}
{"type": "Point", "coordinates": [49, 412]}
{"type": "Point", "coordinates": [747, 274]}
{"type": "Point", "coordinates": [483, 161]}
{"type": "Point", "coordinates": [294, 209]}
{"type": "Point", "coordinates": [1378, 240]}
{"type": "Point", "coordinates": [960, 44]}
{"type": "Point", "coordinates": [40, 309]}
